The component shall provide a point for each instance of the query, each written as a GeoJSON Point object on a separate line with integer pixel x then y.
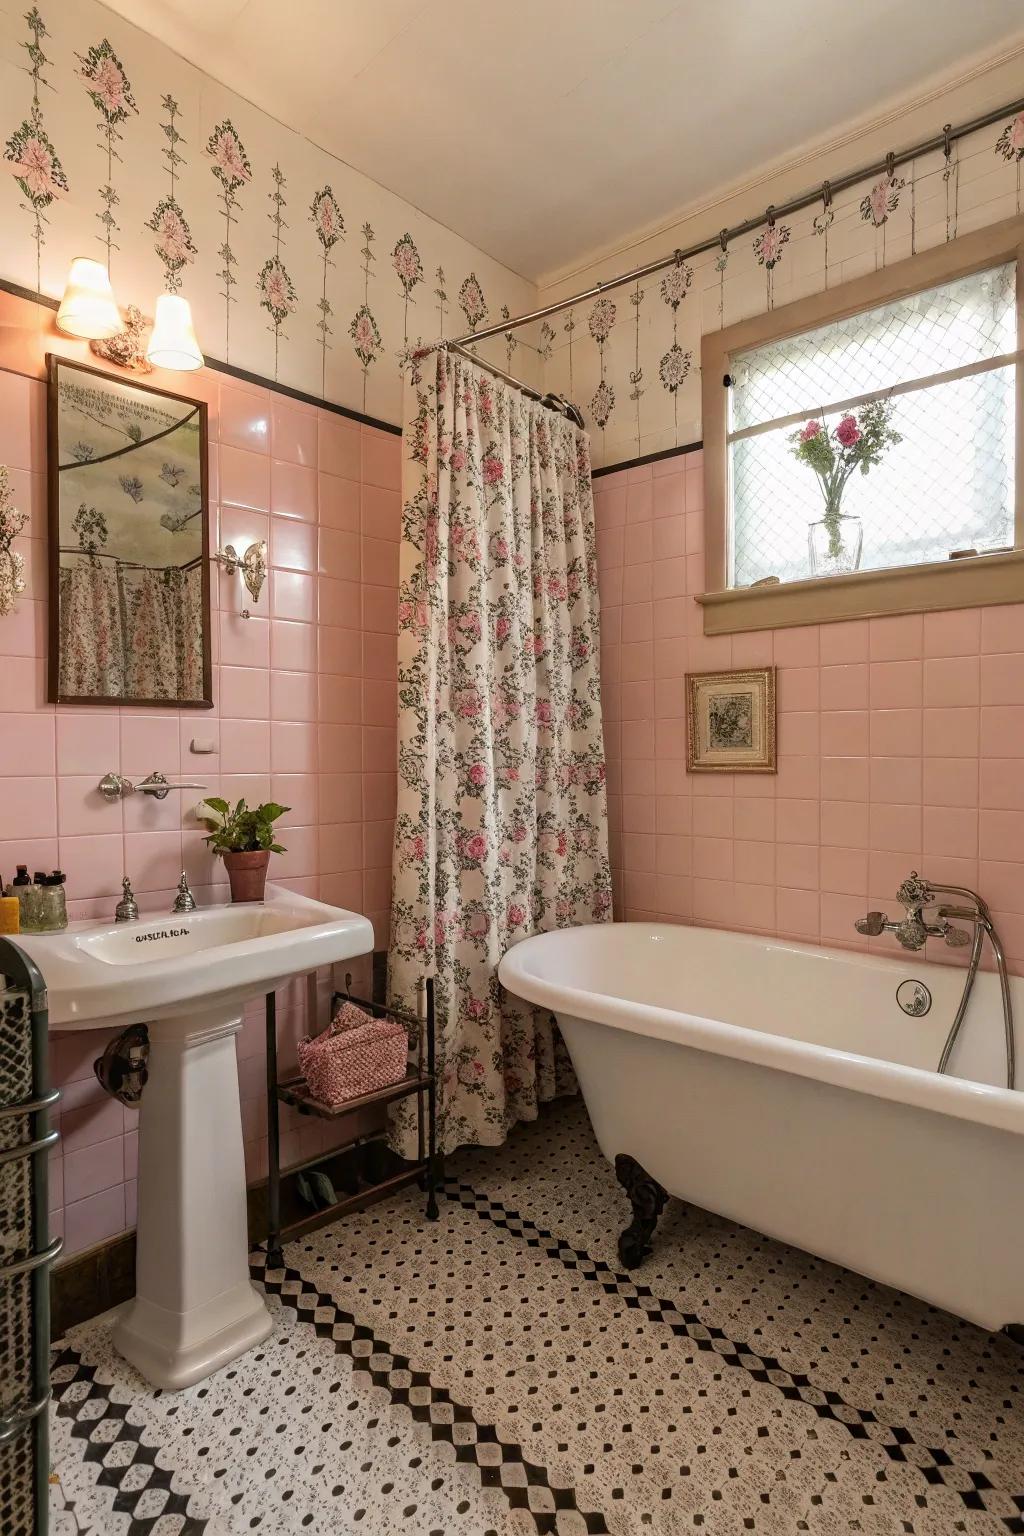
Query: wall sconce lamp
{"type": "Point", "coordinates": [89, 310]}
{"type": "Point", "coordinates": [173, 342]}
{"type": "Point", "coordinates": [253, 566]}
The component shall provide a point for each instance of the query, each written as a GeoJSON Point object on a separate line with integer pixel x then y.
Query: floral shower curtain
{"type": "Point", "coordinates": [502, 816]}
{"type": "Point", "coordinates": [131, 633]}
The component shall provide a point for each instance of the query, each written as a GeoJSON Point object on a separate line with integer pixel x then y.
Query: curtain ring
{"type": "Point", "coordinates": [770, 216]}
{"type": "Point", "coordinates": [679, 257]}
{"type": "Point", "coordinates": [723, 240]}
{"type": "Point", "coordinates": [947, 131]}
{"type": "Point", "coordinates": [890, 166]}
{"type": "Point", "coordinates": [826, 194]}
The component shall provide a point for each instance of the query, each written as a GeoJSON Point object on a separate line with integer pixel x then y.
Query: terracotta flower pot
{"type": "Point", "coordinates": [248, 874]}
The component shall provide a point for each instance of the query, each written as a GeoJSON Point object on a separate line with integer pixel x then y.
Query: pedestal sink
{"type": "Point", "coordinates": [188, 978]}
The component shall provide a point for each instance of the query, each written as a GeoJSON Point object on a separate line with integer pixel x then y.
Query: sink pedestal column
{"type": "Point", "coordinates": [194, 1308]}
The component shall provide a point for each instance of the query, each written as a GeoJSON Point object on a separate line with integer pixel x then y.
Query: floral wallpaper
{"type": "Point", "coordinates": [630, 358]}
{"type": "Point", "coordinates": [297, 268]}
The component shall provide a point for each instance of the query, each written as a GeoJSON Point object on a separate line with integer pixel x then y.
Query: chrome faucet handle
{"type": "Point", "coordinates": [956, 938]}
{"type": "Point", "coordinates": [915, 893]}
{"type": "Point", "coordinates": [184, 901]}
{"type": "Point", "coordinates": [127, 909]}
{"type": "Point", "coordinates": [872, 924]}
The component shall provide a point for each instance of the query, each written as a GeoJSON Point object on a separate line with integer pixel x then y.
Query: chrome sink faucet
{"type": "Point", "coordinates": [918, 897]}
{"type": "Point", "coordinates": [184, 901]}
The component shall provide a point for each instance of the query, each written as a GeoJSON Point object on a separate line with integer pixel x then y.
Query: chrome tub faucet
{"type": "Point", "coordinates": [920, 897]}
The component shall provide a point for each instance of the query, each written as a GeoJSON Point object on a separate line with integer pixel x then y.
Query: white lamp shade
{"type": "Point", "coordinates": [88, 307]}
{"type": "Point", "coordinates": [173, 343]}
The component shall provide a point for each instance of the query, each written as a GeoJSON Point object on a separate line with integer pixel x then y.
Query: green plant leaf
{"type": "Point", "coordinates": [216, 804]}
{"type": "Point", "coordinates": [271, 810]}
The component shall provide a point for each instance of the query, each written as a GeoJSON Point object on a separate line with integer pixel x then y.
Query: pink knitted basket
{"type": "Point", "coordinates": [355, 1055]}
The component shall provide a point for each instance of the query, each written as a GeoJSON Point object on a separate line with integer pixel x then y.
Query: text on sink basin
{"type": "Point", "coordinates": [162, 933]}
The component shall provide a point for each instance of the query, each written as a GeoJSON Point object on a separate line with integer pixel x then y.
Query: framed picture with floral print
{"type": "Point", "coordinates": [730, 721]}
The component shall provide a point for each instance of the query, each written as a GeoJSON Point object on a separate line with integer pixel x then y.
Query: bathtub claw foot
{"type": "Point", "coordinates": [647, 1198]}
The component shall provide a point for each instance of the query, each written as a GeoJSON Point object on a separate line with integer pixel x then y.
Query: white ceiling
{"type": "Point", "coordinates": [543, 130]}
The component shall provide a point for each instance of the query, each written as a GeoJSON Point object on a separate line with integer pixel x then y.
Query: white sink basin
{"type": "Point", "coordinates": [188, 978]}
{"type": "Point", "coordinates": [106, 973]}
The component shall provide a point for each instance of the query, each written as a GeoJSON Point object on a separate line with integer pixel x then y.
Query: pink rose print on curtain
{"type": "Point", "coordinates": [330, 228]}
{"type": "Point", "coordinates": [505, 834]}
{"type": "Point", "coordinates": [110, 93]}
{"type": "Point", "coordinates": [29, 151]}
{"type": "Point", "coordinates": [174, 244]}
{"type": "Point", "coordinates": [232, 169]}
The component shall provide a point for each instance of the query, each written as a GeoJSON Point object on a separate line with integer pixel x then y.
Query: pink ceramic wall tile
{"type": "Point", "coordinates": [246, 642]}
{"type": "Point", "coordinates": [293, 646]}
{"type": "Point", "coordinates": [293, 490]}
{"type": "Point", "coordinates": [380, 513]}
{"type": "Point", "coordinates": [244, 478]}
{"type": "Point", "coordinates": [293, 747]}
{"type": "Point", "coordinates": [28, 740]}
{"type": "Point", "coordinates": [379, 562]}
{"type": "Point", "coordinates": [1002, 731]}
{"type": "Point", "coordinates": [244, 692]}
{"type": "Point", "coordinates": [93, 1169]}
{"type": "Point", "coordinates": [293, 432]}
{"type": "Point", "coordinates": [897, 780]}
{"type": "Point", "coordinates": [382, 458]}
{"type": "Point", "coordinates": [293, 544]}
{"type": "Point", "coordinates": [94, 1220]}
{"type": "Point", "coordinates": [24, 685]}
{"type": "Point", "coordinates": [244, 417]}
{"type": "Point", "coordinates": [245, 746]}
{"type": "Point", "coordinates": [1002, 678]}
{"type": "Point", "coordinates": [952, 680]}
{"type": "Point", "coordinates": [896, 684]}
{"type": "Point", "coordinates": [338, 502]}
{"type": "Point", "coordinates": [1000, 786]}
{"type": "Point", "coordinates": [340, 650]}
{"type": "Point", "coordinates": [22, 422]}
{"type": "Point", "coordinates": [293, 595]}
{"type": "Point", "coordinates": [1002, 628]}
{"type": "Point", "coordinates": [844, 643]}
{"type": "Point", "coordinates": [951, 732]}
{"type": "Point", "coordinates": [638, 547]}
{"type": "Point", "coordinates": [896, 638]}
{"type": "Point", "coordinates": [293, 695]}
{"type": "Point", "coordinates": [94, 866]}
{"type": "Point", "coordinates": [339, 446]}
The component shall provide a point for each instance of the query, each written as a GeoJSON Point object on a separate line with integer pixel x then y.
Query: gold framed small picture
{"type": "Point", "coordinates": [730, 721]}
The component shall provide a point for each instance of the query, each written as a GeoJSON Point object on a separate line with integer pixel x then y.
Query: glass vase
{"type": "Point", "coordinates": [835, 552]}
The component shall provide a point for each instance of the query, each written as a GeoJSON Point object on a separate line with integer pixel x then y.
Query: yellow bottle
{"type": "Point", "coordinates": [10, 914]}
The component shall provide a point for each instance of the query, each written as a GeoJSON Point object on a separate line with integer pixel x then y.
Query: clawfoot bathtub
{"type": "Point", "coordinates": [791, 1089]}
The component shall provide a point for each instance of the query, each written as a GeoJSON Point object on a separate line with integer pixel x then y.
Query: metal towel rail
{"type": "Point", "coordinates": [26, 1252]}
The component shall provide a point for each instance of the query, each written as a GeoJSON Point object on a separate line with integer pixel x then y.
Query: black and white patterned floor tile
{"type": "Point", "coordinates": [495, 1373]}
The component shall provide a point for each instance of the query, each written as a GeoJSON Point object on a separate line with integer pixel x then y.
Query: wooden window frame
{"type": "Point", "coordinates": [971, 582]}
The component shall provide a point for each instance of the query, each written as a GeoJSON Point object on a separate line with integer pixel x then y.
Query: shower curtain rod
{"type": "Point", "coordinates": [822, 193]}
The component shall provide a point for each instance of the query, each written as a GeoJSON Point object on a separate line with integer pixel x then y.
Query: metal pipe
{"type": "Point", "coordinates": [972, 971]}
{"type": "Point", "coordinates": [828, 189]}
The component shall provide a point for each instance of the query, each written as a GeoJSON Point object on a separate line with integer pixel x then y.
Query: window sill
{"type": "Point", "coordinates": [974, 582]}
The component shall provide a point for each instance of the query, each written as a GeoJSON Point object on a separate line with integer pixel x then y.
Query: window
{"type": "Point", "coordinates": [947, 486]}
{"type": "Point", "coordinates": [934, 340]}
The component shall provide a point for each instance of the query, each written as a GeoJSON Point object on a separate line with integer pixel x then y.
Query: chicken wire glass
{"type": "Point", "coordinates": [948, 485]}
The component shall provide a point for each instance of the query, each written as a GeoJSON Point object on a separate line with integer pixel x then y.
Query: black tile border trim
{"type": "Point", "coordinates": [45, 302]}
{"type": "Point", "coordinates": [761, 1368]}
{"type": "Point", "coordinates": [647, 458]}
{"type": "Point", "coordinates": [97, 1448]}
{"type": "Point", "coordinates": [367, 1352]}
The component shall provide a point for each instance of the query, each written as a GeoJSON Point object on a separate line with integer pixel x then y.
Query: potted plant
{"type": "Point", "coordinates": [244, 838]}
{"type": "Point", "coordinates": [856, 442]}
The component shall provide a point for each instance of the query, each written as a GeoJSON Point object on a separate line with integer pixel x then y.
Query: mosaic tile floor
{"type": "Point", "coordinates": [495, 1373]}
